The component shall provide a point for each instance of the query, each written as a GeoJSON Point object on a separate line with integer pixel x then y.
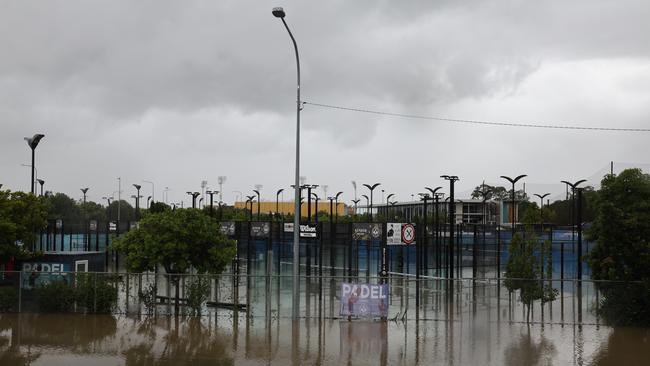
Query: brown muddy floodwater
{"type": "Point", "coordinates": [73, 339]}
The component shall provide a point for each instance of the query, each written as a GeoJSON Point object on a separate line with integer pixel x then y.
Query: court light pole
{"type": "Point", "coordinates": [279, 13]}
{"type": "Point", "coordinates": [277, 200]}
{"type": "Point", "coordinates": [367, 203]}
{"type": "Point", "coordinates": [574, 187]}
{"type": "Point", "coordinates": [452, 218]}
{"type": "Point", "coordinates": [371, 188]}
{"type": "Point", "coordinates": [41, 182]}
{"type": "Point", "coordinates": [32, 142]}
{"type": "Point", "coordinates": [84, 191]}
{"type": "Point", "coordinates": [336, 200]}
{"type": "Point", "coordinates": [259, 199]}
{"type": "Point", "coordinates": [514, 208]}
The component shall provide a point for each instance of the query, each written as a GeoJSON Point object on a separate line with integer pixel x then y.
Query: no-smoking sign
{"type": "Point", "coordinates": [408, 234]}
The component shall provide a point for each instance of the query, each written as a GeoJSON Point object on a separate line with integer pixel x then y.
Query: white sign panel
{"type": "Point", "coordinates": [400, 234]}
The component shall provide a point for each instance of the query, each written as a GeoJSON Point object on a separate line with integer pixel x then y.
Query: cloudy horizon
{"type": "Point", "coordinates": [181, 92]}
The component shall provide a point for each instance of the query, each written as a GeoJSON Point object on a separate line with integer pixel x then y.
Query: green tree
{"type": "Point", "coordinates": [178, 241]}
{"type": "Point", "coordinates": [22, 215]}
{"type": "Point", "coordinates": [61, 206]}
{"type": "Point", "coordinates": [525, 270]}
{"type": "Point", "coordinates": [622, 252]}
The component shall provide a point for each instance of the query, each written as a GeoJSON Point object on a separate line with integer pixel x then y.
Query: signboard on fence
{"type": "Point", "coordinates": [228, 228]}
{"type": "Point", "coordinates": [364, 300]}
{"type": "Point", "coordinates": [363, 231]}
{"type": "Point", "coordinates": [260, 229]}
{"type": "Point", "coordinates": [306, 231]}
{"type": "Point", "coordinates": [400, 234]}
{"type": "Point", "coordinates": [93, 225]}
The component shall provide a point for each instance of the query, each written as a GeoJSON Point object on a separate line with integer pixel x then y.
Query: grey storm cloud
{"type": "Point", "coordinates": [171, 72]}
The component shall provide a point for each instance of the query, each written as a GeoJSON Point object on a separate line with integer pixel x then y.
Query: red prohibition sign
{"type": "Point", "coordinates": [408, 234]}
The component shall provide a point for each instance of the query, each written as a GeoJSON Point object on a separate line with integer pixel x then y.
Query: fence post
{"type": "Point", "coordinates": [20, 291]}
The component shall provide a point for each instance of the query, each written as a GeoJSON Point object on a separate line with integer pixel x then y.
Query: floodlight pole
{"type": "Point", "coordinates": [279, 13]}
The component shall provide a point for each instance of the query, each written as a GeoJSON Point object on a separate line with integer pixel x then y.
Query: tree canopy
{"type": "Point", "coordinates": [22, 215]}
{"type": "Point", "coordinates": [621, 231]}
{"type": "Point", "coordinates": [177, 240]}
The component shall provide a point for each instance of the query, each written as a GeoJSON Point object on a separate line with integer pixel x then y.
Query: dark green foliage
{"type": "Point", "coordinates": [622, 252]}
{"type": "Point", "coordinates": [8, 299]}
{"type": "Point", "coordinates": [55, 297]}
{"type": "Point", "coordinates": [159, 207]}
{"type": "Point", "coordinates": [95, 292]}
{"type": "Point", "coordinates": [197, 289]}
{"type": "Point", "coordinates": [525, 270]}
{"type": "Point", "coordinates": [21, 215]}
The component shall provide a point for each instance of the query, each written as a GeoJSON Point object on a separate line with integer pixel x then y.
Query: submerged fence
{"type": "Point", "coordinates": [269, 297]}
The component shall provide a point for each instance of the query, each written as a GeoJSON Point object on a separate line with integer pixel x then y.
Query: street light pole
{"type": "Point", "coordinates": [279, 13]}
{"type": "Point", "coordinates": [41, 182]}
{"type": "Point", "coordinates": [336, 200]}
{"type": "Point", "coordinates": [574, 187]}
{"type": "Point", "coordinates": [32, 142]}
{"type": "Point", "coordinates": [259, 198]}
{"type": "Point", "coordinates": [277, 200]}
{"type": "Point", "coordinates": [84, 191]}
{"type": "Point", "coordinates": [514, 208]}
{"type": "Point", "coordinates": [452, 218]}
{"type": "Point", "coordinates": [371, 188]}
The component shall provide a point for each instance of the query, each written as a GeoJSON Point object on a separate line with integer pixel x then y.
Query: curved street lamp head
{"type": "Point", "coordinates": [337, 195]}
{"type": "Point", "coordinates": [279, 191]}
{"type": "Point", "coordinates": [541, 197]}
{"type": "Point", "coordinates": [389, 196]}
{"type": "Point", "coordinates": [372, 187]}
{"type": "Point", "coordinates": [84, 190]}
{"type": "Point", "coordinates": [574, 185]}
{"type": "Point", "coordinates": [137, 186]}
{"type": "Point", "coordinates": [513, 181]}
{"type": "Point", "coordinates": [278, 12]}
{"type": "Point", "coordinates": [34, 140]}
{"type": "Point", "coordinates": [40, 181]}
{"type": "Point", "coordinates": [433, 191]}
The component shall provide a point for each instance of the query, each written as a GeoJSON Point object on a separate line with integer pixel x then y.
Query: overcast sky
{"type": "Point", "coordinates": [177, 92]}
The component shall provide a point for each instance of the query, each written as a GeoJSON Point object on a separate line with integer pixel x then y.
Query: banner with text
{"type": "Point", "coordinates": [364, 300]}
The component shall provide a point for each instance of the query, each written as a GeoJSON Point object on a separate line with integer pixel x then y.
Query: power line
{"type": "Point", "coordinates": [479, 122]}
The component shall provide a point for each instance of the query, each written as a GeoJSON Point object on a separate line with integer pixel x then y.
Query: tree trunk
{"type": "Point", "coordinates": [176, 293]}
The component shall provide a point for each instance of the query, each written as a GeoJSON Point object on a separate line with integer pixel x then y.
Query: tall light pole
{"type": "Point", "coordinates": [336, 199]}
{"type": "Point", "coordinates": [193, 195]}
{"type": "Point", "coordinates": [211, 193]}
{"type": "Point", "coordinates": [137, 201]}
{"type": "Point", "coordinates": [371, 188]}
{"type": "Point", "coordinates": [32, 142]}
{"type": "Point", "coordinates": [250, 199]}
{"type": "Point", "coordinates": [153, 191]}
{"type": "Point", "coordinates": [356, 202]}
{"type": "Point", "coordinates": [41, 182]}
{"type": "Point", "coordinates": [514, 208]}
{"type": "Point", "coordinates": [452, 220]}
{"type": "Point", "coordinates": [277, 200]}
{"type": "Point", "coordinates": [84, 191]}
{"type": "Point", "coordinates": [259, 199]}
{"type": "Point", "coordinates": [279, 13]}
{"type": "Point", "coordinates": [574, 187]}
{"type": "Point", "coordinates": [166, 194]}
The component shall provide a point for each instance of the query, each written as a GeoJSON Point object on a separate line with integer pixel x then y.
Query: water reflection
{"type": "Point", "coordinates": [228, 339]}
{"type": "Point", "coordinates": [529, 351]}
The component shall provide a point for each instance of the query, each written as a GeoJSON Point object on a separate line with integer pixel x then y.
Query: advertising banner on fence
{"type": "Point", "coordinates": [306, 231]}
{"type": "Point", "coordinates": [400, 234]}
{"type": "Point", "coordinates": [364, 300]}
{"type": "Point", "coordinates": [260, 229]}
{"type": "Point", "coordinates": [362, 231]}
{"type": "Point", "coordinates": [228, 228]}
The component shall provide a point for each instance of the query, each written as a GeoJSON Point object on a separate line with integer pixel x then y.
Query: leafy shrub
{"type": "Point", "coordinates": [55, 297]}
{"type": "Point", "coordinates": [95, 292]}
{"type": "Point", "coordinates": [8, 299]}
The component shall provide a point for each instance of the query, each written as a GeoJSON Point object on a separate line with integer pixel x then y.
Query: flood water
{"type": "Point", "coordinates": [75, 339]}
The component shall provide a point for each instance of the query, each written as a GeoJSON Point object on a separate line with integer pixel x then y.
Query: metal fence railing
{"type": "Point", "coordinates": [428, 298]}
